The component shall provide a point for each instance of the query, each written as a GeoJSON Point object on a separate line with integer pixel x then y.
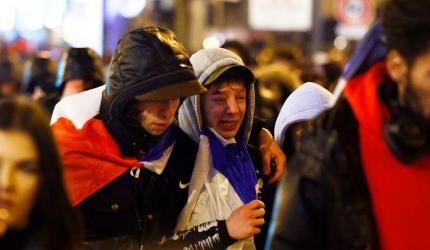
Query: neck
{"type": "Point", "coordinates": [223, 140]}
{"type": "Point", "coordinates": [130, 138]}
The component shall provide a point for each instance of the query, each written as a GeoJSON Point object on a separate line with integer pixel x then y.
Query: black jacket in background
{"type": "Point", "coordinates": [323, 202]}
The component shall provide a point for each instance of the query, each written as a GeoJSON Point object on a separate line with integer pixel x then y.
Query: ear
{"type": "Point", "coordinates": [397, 67]}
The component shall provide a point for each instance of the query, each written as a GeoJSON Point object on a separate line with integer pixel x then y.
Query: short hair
{"type": "Point", "coordinates": [21, 114]}
{"type": "Point", "coordinates": [407, 27]}
{"type": "Point", "coordinates": [234, 74]}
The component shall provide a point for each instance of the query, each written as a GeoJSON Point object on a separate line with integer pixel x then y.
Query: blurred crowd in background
{"type": "Point", "coordinates": [296, 55]}
{"type": "Point", "coordinates": [286, 43]}
{"type": "Point", "coordinates": [279, 70]}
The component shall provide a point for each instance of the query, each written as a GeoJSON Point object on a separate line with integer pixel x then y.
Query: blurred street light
{"type": "Point", "coordinates": [211, 42]}
{"type": "Point", "coordinates": [126, 8]}
{"type": "Point", "coordinates": [340, 42]}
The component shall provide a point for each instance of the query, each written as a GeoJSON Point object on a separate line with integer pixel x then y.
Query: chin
{"type": "Point", "coordinates": [156, 133]}
{"type": "Point", "coordinates": [228, 134]}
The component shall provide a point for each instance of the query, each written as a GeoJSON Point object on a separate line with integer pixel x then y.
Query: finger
{"type": "Point", "coordinates": [256, 231]}
{"type": "Point", "coordinates": [258, 222]}
{"type": "Point", "coordinates": [280, 167]}
{"type": "Point", "coordinates": [255, 204]}
{"type": "Point", "coordinates": [266, 156]}
{"type": "Point", "coordinates": [258, 213]}
{"type": "Point", "coordinates": [266, 162]}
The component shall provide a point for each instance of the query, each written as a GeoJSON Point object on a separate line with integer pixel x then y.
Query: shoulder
{"type": "Point", "coordinates": [183, 155]}
{"type": "Point", "coordinates": [328, 143]}
{"type": "Point", "coordinates": [79, 108]}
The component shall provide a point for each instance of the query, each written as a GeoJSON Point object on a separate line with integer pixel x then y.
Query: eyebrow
{"type": "Point", "coordinates": [216, 92]}
{"type": "Point", "coordinates": [28, 160]}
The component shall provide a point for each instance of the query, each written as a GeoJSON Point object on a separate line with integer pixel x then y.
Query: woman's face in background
{"type": "Point", "coordinates": [19, 177]}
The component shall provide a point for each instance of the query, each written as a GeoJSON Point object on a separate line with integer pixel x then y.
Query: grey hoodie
{"type": "Point", "coordinates": [205, 62]}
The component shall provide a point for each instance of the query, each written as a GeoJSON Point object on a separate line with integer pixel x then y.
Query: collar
{"type": "Point", "coordinates": [157, 166]}
{"type": "Point", "coordinates": [224, 141]}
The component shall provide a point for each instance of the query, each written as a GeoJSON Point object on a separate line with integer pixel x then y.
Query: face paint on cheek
{"type": "Point", "coordinates": [142, 115]}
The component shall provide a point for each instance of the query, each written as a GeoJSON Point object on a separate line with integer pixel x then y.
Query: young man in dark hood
{"type": "Point", "coordinates": [127, 165]}
{"type": "Point", "coordinates": [361, 179]}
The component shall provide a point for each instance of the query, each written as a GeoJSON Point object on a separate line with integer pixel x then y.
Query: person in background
{"type": "Point", "coordinates": [79, 69]}
{"type": "Point", "coordinates": [39, 75]}
{"type": "Point", "coordinates": [9, 81]}
{"type": "Point", "coordinates": [289, 55]}
{"type": "Point", "coordinates": [309, 72]}
{"type": "Point", "coordinates": [361, 178]}
{"type": "Point", "coordinates": [35, 212]}
{"type": "Point", "coordinates": [241, 50]}
{"type": "Point", "coordinates": [304, 104]}
{"type": "Point", "coordinates": [275, 82]}
{"type": "Point", "coordinates": [332, 71]}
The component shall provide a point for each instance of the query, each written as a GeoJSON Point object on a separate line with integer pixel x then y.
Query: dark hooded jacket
{"type": "Point", "coordinates": [80, 63]}
{"type": "Point", "coordinates": [76, 63]}
{"type": "Point", "coordinates": [143, 62]}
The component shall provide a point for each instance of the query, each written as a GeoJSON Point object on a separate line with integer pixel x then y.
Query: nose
{"type": "Point", "coordinates": [232, 106]}
{"type": "Point", "coordinates": [169, 107]}
{"type": "Point", "coordinates": [6, 177]}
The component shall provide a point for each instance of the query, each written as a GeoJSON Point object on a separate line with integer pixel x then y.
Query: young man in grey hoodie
{"type": "Point", "coordinates": [224, 182]}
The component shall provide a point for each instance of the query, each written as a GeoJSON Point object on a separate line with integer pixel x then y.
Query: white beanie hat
{"type": "Point", "coordinates": [305, 103]}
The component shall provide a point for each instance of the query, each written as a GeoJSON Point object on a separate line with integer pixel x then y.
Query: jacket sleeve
{"type": "Point", "coordinates": [299, 216]}
{"type": "Point", "coordinates": [209, 235]}
{"type": "Point", "coordinates": [258, 124]}
{"type": "Point", "coordinates": [323, 202]}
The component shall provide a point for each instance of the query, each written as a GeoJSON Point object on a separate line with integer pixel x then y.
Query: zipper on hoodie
{"type": "Point", "coordinates": [141, 218]}
{"type": "Point", "coordinates": [136, 183]}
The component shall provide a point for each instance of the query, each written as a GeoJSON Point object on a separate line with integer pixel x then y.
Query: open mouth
{"type": "Point", "coordinates": [4, 203]}
{"type": "Point", "coordinates": [229, 125]}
